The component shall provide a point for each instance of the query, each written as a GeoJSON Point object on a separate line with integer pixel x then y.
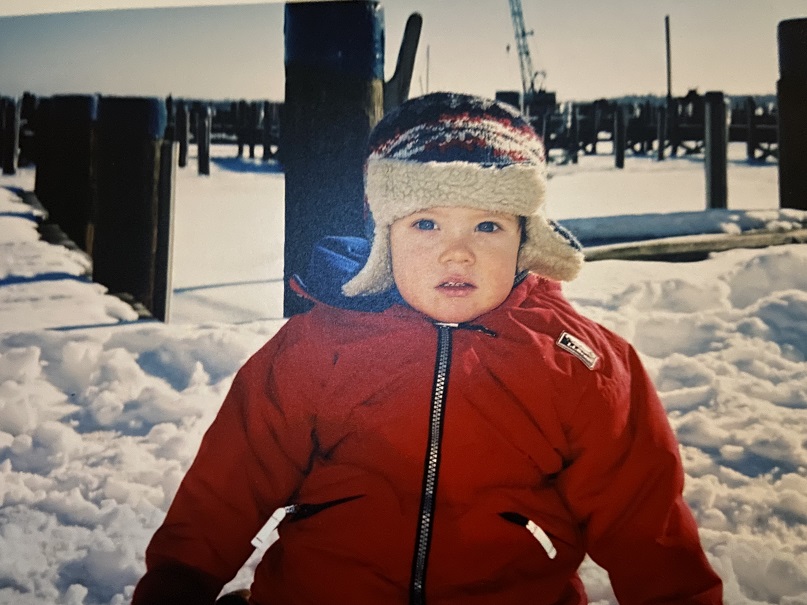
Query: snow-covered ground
{"type": "Point", "coordinates": [100, 414]}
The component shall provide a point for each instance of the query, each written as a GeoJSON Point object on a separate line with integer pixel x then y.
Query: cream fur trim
{"type": "Point", "coordinates": [397, 188]}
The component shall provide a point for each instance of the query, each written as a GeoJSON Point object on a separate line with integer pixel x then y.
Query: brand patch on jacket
{"type": "Point", "coordinates": [578, 348]}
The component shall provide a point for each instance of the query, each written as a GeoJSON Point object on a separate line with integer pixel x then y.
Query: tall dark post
{"type": "Point", "coordinates": [573, 144]}
{"type": "Point", "coordinates": [396, 90]}
{"type": "Point", "coordinates": [130, 131]}
{"type": "Point", "coordinates": [203, 125]}
{"type": "Point", "coordinates": [716, 141]}
{"type": "Point", "coordinates": [669, 55]}
{"type": "Point", "coordinates": [333, 97]}
{"type": "Point", "coordinates": [267, 132]}
{"type": "Point", "coordinates": [164, 239]}
{"type": "Point", "coordinates": [751, 129]}
{"type": "Point", "coordinates": [661, 131]}
{"type": "Point", "coordinates": [10, 135]}
{"type": "Point", "coordinates": [28, 106]}
{"type": "Point", "coordinates": [620, 136]}
{"type": "Point", "coordinates": [66, 175]}
{"type": "Point", "coordinates": [240, 118]}
{"type": "Point", "coordinates": [182, 132]}
{"type": "Point", "coordinates": [254, 117]}
{"type": "Point", "coordinates": [791, 91]}
{"type": "Point", "coordinates": [672, 121]}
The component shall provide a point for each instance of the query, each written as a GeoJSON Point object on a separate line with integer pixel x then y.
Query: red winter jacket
{"type": "Point", "coordinates": [441, 464]}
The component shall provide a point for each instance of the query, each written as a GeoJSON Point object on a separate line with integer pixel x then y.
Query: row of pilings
{"type": "Point", "coordinates": [334, 95]}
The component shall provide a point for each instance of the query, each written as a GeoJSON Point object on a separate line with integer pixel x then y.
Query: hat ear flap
{"type": "Point", "coordinates": [550, 250]}
{"type": "Point", "coordinates": [376, 275]}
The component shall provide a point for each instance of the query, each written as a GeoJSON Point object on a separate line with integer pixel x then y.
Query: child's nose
{"type": "Point", "coordinates": [457, 250]}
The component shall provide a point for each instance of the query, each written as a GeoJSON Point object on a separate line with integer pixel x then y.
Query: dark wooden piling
{"type": "Point", "coordinates": [574, 135]}
{"type": "Point", "coordinates": [333, 97]}
{"type": "Point", "coordinates": [27, 133]}
{"type": "Point", "coordinates": [715, 144]}
{"type": "Point", "coordinates": [661, 132]}
{"type": "Point", "coordinates": [66, 171]}
{"type": "Point", "coordinates": [791, 91]}
{"type": "Point", "coordinates": [164, 237]}
{"type": "Point", "coordinates": [182, 133]}
{"type": "Point", "coordinates": [620, 136]}
{"type": "Point", "coordinates": [269, 129]}
{"type": "Point", "coordinates": [127, 230]}
{"type": "Point", "coordinates": [751, 131]}
{"type": "Point", "coordinates": [396, 90]}
{"type": "Point", "coordinates": [203, 125]}
{"type": "Point", "coordinates": [10, 137]}
{"type": "Point", "coordinates": [253, 126]}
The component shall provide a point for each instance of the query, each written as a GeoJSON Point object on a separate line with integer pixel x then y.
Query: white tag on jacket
{"type": "Point", "coordinates": [578, 348]}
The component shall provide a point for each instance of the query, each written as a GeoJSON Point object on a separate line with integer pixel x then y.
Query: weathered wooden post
{"type": "Point", "coordinates": [661, 131]}
{"type": "Point", "coordinates": [254, 120]}
{"type": "Point", "coordinates": [11, 135]}
{"type": "Point", "coordinates": [791, 90]}
{"type": "Point", "coordinates": [203, 125]}
{"type": "Point", "coordinates": [333, 97]}
{"type": "Point", "coordinates": [647, 126]}
{"type": "Point", "coordinates": [574, 135]}
{"type": "Point", "coordinates": [66, 177]}
{"type": "Point", "coordinates": [182, 132]}
{"type": "Point", "coordinates": [171, 124]}
{"type": "Point", "coordinates": [131, 192]}
{"type": "Point", "coordinates": [396, 89]}
{"type": "Point", "coordinates": [28, 106]}
{"type": "Point", "coordinates": [672, 119]}
{"type": "Point", "coordinates": [240, 118]}
{"type": "Point", "coordinates": [266, 130]}
{"type": "Point", "coordinates": [164, 244]}
{"type": "Point", "coordinates": [620, 136]}
{"type": "Point", "coordinates": [715, 144]}
{"type": "Point", "coordinates": [751, 129]}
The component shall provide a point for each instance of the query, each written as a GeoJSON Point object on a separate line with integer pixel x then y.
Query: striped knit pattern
{"type": "Point", "coordinates": [463, 129]}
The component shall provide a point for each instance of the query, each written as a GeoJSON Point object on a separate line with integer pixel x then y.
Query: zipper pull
{"type": "Point", "coordinates": [264, 536]}
{"type": "Point", "coordinates": [537, 533]}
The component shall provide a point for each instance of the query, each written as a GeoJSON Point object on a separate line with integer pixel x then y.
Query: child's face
{"type": "Point", "coordinates": [454, 264]}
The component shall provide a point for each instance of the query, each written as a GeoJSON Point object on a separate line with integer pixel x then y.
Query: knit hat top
{"type": "Point", "coordinates": [457, 150]}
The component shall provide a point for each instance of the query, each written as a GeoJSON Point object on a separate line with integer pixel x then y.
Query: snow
{"type": "Point", "coordinates": [101, 413]}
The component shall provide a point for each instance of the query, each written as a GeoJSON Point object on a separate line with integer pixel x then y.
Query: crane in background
{"type": "Point", "coordinates": [528, 74]}
{"type": "Point", "coordinates": [533, 101]}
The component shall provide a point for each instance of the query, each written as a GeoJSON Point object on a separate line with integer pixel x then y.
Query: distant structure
{"type": "Point", "coordinates": [533, 102]}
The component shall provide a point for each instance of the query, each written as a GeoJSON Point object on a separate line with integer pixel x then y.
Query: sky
{"type": "Point", "coordinates": [101, 414]}
{"type": "Point", "coordinates": [589, 49]}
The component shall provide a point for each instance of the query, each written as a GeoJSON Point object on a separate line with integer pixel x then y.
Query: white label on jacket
{"type": "Point", "coordinates": [578, 348]}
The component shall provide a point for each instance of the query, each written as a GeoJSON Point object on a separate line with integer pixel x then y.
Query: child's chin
{"type": "Point", "coordinates": [455, 316]}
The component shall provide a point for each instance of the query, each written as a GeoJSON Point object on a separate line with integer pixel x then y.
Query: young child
{"type": "Point", "coordinates": [444, 428]}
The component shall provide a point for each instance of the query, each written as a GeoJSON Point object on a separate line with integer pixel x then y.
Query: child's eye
{"type": "Point", "coordinates": [487, 227]}
{"type": "Point", "coordinates": [424, 224]}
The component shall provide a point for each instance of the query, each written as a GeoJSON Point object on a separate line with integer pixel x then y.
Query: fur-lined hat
{"type": "Point", "coordinates": [448, 149]}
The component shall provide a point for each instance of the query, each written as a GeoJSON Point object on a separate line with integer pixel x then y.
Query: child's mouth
{"type": "Point", "coordinates": [456, 288]}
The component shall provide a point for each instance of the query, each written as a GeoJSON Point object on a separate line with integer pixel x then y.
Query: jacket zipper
{"type": "Point", "coordinates": [431, 465]}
